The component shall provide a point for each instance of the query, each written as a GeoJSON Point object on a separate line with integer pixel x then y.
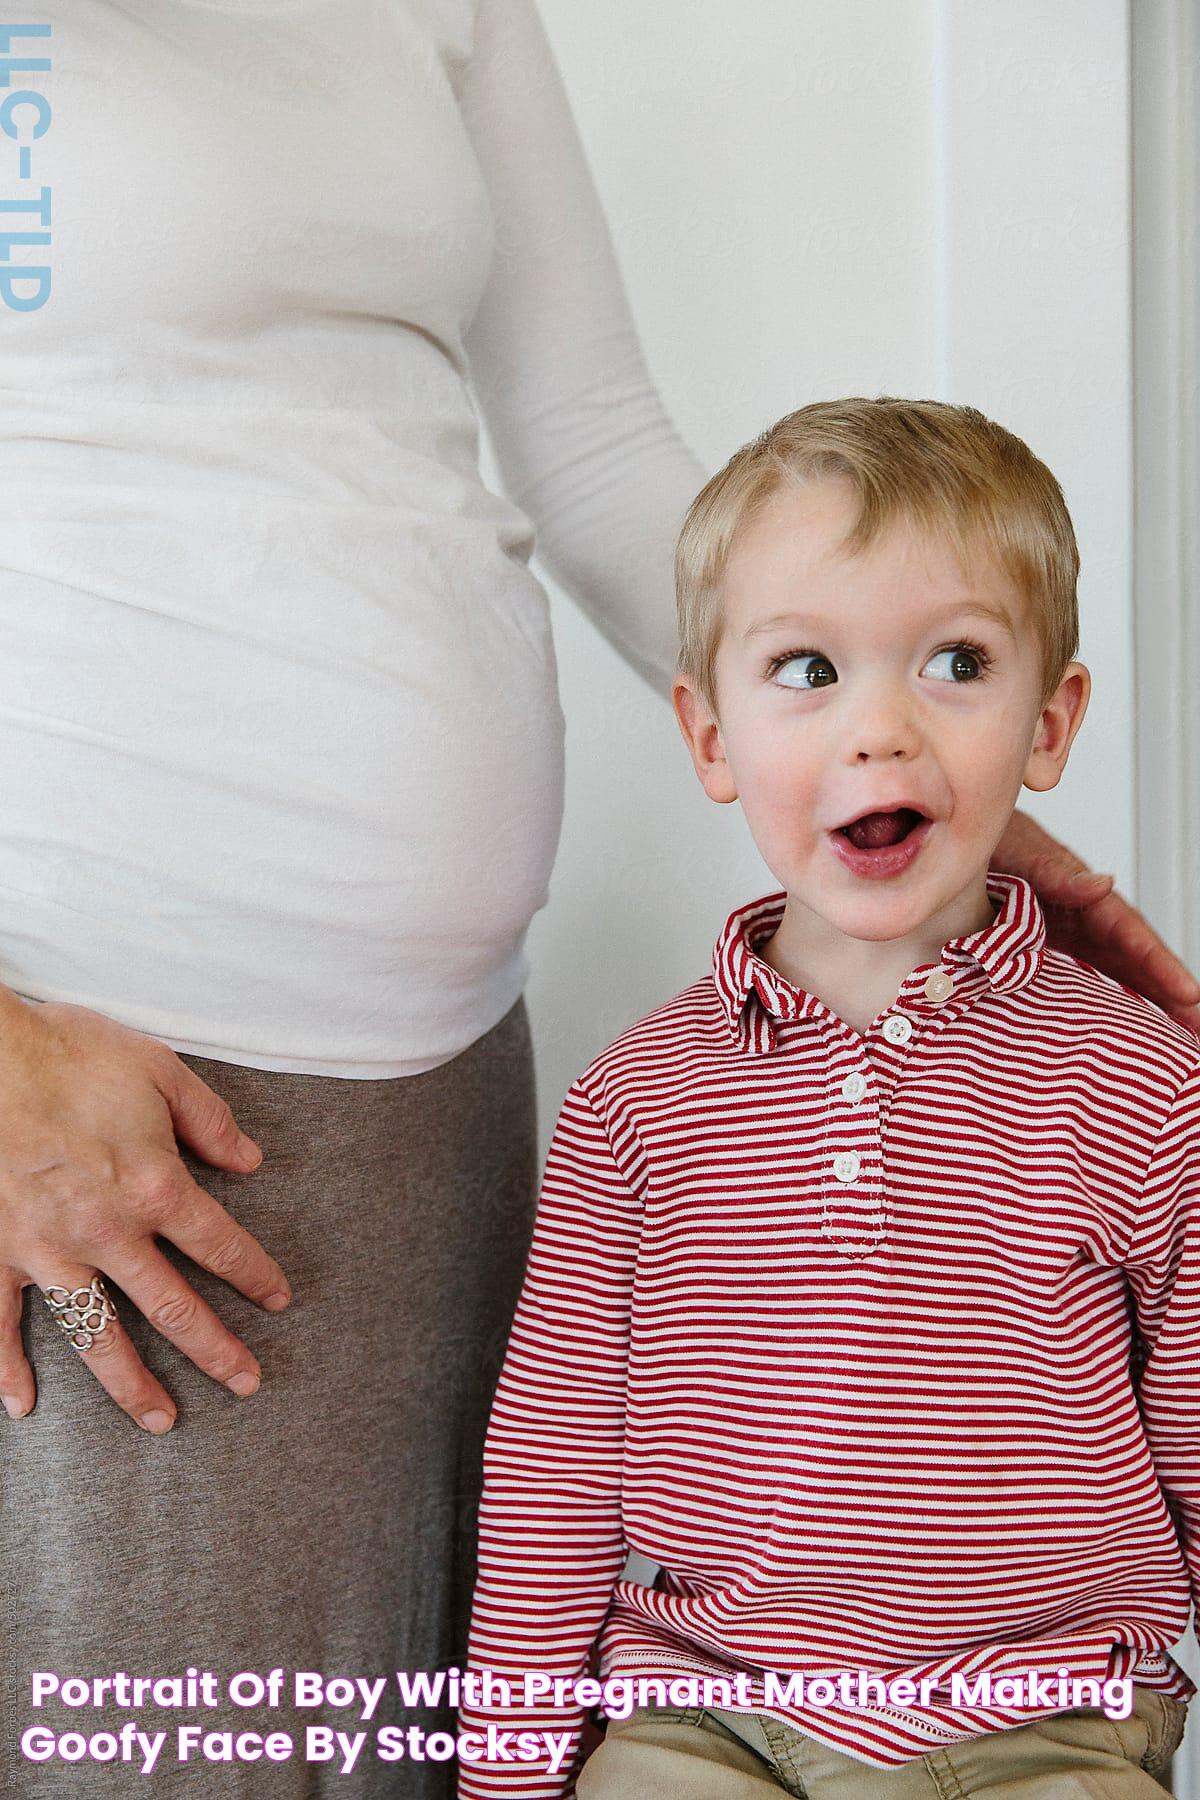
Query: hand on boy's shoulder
{"type": "Point", "coordinates": [1118, 1005]}
{"type": "Point", "coordinates": [1088, 918]}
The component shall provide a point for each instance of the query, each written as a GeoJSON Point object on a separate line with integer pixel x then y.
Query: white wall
{"type": "Point", "coordinates": [821, 197]}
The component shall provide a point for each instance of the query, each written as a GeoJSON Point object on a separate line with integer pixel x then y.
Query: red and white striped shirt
{"type": "Point", "coordinates": [885, 1347]}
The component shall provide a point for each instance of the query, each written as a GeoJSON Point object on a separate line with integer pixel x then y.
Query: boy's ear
{"type": "Point", "coordinates": [702, 735]}
{"type": "Point", "coordinates": [1061, 718]}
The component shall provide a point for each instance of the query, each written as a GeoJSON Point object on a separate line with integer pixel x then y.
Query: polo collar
{"type": "Point", "coordinates": [1005, 954]}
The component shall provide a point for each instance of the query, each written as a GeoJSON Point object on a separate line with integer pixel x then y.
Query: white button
{"type": "Point", "coordinates": [897, 1029]}
{"type": "Point", "coordinates": [845, 1165]}
{"type": "Point", "coordinates": [939, 985]}
{"type": "Point", "coordinates": [854, 1087]}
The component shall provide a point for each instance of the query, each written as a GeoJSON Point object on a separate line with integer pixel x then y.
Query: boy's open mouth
{"type": "Point", "coordinates": [875, 830]}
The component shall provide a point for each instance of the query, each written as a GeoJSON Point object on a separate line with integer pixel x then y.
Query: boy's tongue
{"type": "Point", "coordinates": [878, 829]}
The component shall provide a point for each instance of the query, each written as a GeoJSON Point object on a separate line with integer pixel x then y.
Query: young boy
{"type": "Point", "coordinates": [864, 1297]}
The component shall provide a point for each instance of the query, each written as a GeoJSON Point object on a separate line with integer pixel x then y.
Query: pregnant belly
{"type": "Point", "coordinates": [290, 812]}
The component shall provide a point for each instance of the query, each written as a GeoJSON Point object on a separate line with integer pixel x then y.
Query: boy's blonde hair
{"type": "Point", "coordinates": [947, 469]}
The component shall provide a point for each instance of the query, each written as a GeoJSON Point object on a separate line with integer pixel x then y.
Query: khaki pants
{"type": "Point", "coordinates": [671, 1754]}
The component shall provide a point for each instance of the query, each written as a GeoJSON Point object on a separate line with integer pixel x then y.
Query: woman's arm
{"type": "Point", "coordinates": [581, 436]}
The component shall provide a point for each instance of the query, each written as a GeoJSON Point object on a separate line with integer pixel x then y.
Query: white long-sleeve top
{"type": "Point", "coordinates": [279, 728]}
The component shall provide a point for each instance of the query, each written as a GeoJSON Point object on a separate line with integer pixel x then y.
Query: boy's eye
{"type": "Point", "coordinates": [790, 667]}
{"type": "Point", "coordinates": [963, 656]}
{"type": "Point", "coordinates": [812, 669]}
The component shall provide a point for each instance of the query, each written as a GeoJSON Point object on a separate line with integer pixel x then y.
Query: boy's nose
{"type": "Point", "coordinates": [883, 724]}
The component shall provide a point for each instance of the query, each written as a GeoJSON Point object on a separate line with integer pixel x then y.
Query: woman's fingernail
{"type": "Point", "coordinates": [1092, 875]}
{"type": "Point", "coordinates": [158, 1422]}
{"type": "Point", "coordinates": [16, 1409]}
{"type": "Point", "coordinates": [276, 1302]}
{"type": "Point", "coordinates": [244, 1384]}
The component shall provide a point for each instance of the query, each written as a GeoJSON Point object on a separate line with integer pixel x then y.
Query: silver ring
{"type": "Point", "coordinates": [83, 1312]}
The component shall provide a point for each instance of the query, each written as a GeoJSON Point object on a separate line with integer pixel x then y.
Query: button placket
{"type": "Point", "coordinates": [852, 1212]}
{"type": "Point", "coordinates": [855, 1211]}
{"type": "Point", "coordinates": [855, 1230]}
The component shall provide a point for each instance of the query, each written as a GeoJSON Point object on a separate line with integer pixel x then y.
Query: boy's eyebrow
{"type": "Point", "coordinates": [995, 611]}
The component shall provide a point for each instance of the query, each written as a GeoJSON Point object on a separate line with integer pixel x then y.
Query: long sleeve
{"type": "Point", "coordinates": [1163, 1269]}
{"type": "Point", "coordinates": [581, 435]}
{"type": "Point", "coordinates": [550, 1537]}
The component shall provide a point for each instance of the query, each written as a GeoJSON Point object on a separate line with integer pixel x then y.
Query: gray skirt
{"type": "Point", "coordinates": [325, 1525]}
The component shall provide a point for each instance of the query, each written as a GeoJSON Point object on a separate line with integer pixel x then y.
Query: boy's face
{"type": "Point", "coordinates": [848, 686]}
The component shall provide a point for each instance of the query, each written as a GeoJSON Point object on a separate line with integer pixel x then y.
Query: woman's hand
{"type": "Point", "coordinates": [1087, 918]}
{"type": "Point", "coordinates": [90, 1172]}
